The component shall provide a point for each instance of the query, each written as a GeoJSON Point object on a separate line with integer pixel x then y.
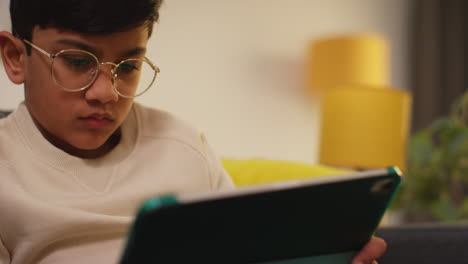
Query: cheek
{"type": "Point", "coordinates": [48, 103]}
{"type": "Point", "coordinates": [38, 80]}
{"type": "Point", "coordinates": [43, 95]}
{"type": "Point", "coordinates": [123, 107]}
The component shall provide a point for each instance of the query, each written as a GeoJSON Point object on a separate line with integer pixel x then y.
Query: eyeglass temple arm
{"type": "Point", "coordinates": [39, 49]}
{"type": "Point", "coordinates": [156, 68]}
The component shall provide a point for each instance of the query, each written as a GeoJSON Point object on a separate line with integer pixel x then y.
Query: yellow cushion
{"type": "Point", "coordinates": [260, 171]}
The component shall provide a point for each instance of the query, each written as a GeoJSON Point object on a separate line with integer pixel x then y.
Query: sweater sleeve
{"type": "Point", "coordinates": [4, 255]}
{"type": "Point", "coordinates": [220, 179]}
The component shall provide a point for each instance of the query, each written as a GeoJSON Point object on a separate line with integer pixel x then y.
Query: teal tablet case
{"type": "Point", "coordinates": [324, 224]}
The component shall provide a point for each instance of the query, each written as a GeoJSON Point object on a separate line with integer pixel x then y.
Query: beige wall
{"type": "Point", "coordinates": [234, 68]}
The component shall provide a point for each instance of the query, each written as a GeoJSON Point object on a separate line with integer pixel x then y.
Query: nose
{"type": "Point", "coordinates": [102, 89]}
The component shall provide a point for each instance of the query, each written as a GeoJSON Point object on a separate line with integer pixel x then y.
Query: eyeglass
{"type": "Point", "coordinates": [75, 70]}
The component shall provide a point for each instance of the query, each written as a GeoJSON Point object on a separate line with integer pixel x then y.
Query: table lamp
{"type": "Point", "coordinates": [365, 122]}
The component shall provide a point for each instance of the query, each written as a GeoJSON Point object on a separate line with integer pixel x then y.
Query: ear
{"type": "Point", "coordinates": [13, 54]}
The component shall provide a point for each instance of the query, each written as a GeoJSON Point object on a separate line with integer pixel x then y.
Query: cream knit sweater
{"type": "Point", "coordinates": [57, 208]}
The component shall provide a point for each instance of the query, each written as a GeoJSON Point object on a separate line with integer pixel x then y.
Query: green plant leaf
{"type": "Point", "coordinates": [445, 211]}
{"type": "Point", "coordinates": [464, 208]}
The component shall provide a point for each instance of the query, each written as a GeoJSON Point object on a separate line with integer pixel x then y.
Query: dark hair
{"type": "Point", "coordinates": [83, 16]}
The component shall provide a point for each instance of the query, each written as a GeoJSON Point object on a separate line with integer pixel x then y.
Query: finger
{"type": "Point", "coordinates": [373, 250]}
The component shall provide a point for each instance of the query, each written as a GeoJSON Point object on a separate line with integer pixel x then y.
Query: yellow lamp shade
{"type": "Point", "coordinates": [360, 59]}
{"type": "Point", "coordinates": [364, 127]}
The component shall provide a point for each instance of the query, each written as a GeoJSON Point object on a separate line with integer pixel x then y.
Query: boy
{"type": "Point", "coordinates": [79, 156]}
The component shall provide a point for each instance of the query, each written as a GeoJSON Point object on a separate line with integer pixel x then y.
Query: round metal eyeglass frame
{"type": "Point", "coordinates": [113, 72]}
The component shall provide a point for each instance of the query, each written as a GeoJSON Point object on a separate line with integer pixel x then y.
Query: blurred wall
{"type": "Point", "coordinates": [235, 68]}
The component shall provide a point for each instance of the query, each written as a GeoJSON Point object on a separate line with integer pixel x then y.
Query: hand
{"type": "Point", "coordinates": [374, 249]}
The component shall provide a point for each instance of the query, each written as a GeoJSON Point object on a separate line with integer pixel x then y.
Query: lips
{"type": "Point", "coordinates": [97, 120]}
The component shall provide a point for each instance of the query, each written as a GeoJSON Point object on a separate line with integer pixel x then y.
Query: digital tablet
{"type": "Point", "coordinates": [324, 220]}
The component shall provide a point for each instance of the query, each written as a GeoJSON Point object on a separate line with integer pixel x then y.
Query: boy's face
{"type": "Point", "coordinates": [80, 123]}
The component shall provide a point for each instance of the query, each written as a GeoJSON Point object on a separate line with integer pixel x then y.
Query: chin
{"type": "Point", "coordinates": [89, 147]}
{"type": "Point", "coordinates": [90, 143]}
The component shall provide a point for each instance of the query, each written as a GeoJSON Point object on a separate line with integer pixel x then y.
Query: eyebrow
{"type": "Point", "coordinates": [134, 52]}
{"type": "Point", "coordinates": [77, 44]}
{"type": "Point", "coordinates": [83, 46]}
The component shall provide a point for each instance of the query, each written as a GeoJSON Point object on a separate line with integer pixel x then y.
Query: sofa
{"type": "Point", "coordinates": [426, 244]}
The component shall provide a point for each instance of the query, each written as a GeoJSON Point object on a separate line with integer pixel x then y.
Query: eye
{"type": "Point", "coordinates": [78, 62]}
{"type": "Point", "coordinates": [128, 67]}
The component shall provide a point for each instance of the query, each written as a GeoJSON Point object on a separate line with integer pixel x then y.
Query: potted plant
{"type": "Point", "coordinates": [436, 180]}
